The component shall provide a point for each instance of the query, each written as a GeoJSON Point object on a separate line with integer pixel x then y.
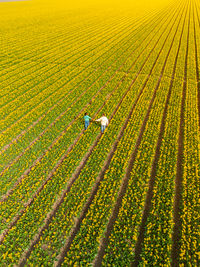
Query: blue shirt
{"type": "Point", "coordinates": [87, 118]}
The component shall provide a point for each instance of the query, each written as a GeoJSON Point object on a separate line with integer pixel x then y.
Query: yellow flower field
{"type": "Point", "coordinates": [76, 197]}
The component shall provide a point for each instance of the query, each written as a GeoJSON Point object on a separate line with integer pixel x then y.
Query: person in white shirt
{"type": "Point", "coordinates": [104, 122]}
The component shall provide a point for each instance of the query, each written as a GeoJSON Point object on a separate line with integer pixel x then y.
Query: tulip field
{"type": "Point", "coordinates": [76, 197]}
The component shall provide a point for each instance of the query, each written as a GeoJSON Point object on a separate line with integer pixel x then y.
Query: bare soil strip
{"type": "Point", "coordinates": [178, 187]}
{"type": "Point", "coordinates": [76, 228]}
{"type": "Point", "coordinates": [139, 242]}
{"type": "Point", "coordinates": [122, 191]}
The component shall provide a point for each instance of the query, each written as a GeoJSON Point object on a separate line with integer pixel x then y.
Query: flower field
{"type": "Point", "coordinates": [75, 197]}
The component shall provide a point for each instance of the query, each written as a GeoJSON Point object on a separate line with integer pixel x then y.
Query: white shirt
{"type": "Point", "coordinates": [103, 120]}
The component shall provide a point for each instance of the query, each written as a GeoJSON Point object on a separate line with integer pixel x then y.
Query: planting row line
{"type": "Point", "coordinates": [7, 72]}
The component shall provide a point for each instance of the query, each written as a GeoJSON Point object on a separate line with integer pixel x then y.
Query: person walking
{"type": "Point", "coordinates": [104, 122]}
{"type": "Point", "coordinates": [87, 120]}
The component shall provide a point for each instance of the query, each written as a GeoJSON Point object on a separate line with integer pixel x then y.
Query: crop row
{"type": "Point", "coordinates": [86, 25]}
{"type": "Point", "coordinates": [46, 162]}
{"type": "Point", "coordinates": [131, 195]}
{"type": "Point", "coordinates": [51, 155]}
{"type": "Point", "coordinates": [69, 40]}
{"type": "Point", "coordinates": [65, 86]}
{"type": "Point", "coordinates": [87, 178]}
{"type": "Point", "coordinates": [122, 240]}
{"type": "Point", "coordinates": [94, 224]}
{"type": "Point", "coordinates": [96, 230]}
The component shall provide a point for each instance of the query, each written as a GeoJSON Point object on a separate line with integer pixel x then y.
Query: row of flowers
{"type": "Point", "coordinates": [51, 109]}
{"type": "Point", "coordinates": [124, 235]}
{"type": "Point", "coordinates": [22, 187]}
{"type": "Point", "coordinates": [57, 128]}
{"type": "Point", "coordinates": [157, 243]}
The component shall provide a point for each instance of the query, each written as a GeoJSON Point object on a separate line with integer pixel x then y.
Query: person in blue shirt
{"type": "Point", "coordinates": [87, 120]}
